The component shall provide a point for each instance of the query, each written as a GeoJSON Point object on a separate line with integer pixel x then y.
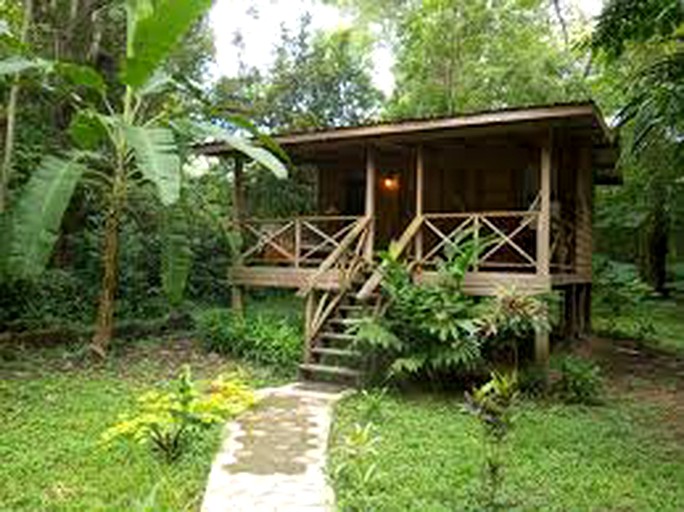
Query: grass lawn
{"type": "Point", "coordinates": [54, 408]}
{"type": "Point", "coordinates": [562, 458]}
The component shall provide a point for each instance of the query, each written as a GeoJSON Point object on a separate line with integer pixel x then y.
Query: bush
{"type": "Point", "coordinates": [620, 293]}
{"type": "Point", "coordinates": [576, 380]}
{"type": "Point", "coordinates": [436, 330]}
{"type": "Point", "coordinates": [58, 296]}
{"type": "Point", "coordinates": [167, 420]}
{"type": "Point", "coordinates": [258, 338]}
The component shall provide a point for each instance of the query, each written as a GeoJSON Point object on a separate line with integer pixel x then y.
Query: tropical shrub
{"type": "Point", "coordinates": [425, 328]}
{"type": "Point", "coordinates": [576, 380]}
{"type": "Point", "coordinates": [492, 404]}
{"type": "Point", "coordinates": [436, 329]}
{"type": "Point", "coordinates": [256, 337]}
{"type": "Point", "coordinates": [61, 296]}
{"type": "Point", "coordinates": [167, 420]}
{"type": "Point", "coordinates": [510, 317]}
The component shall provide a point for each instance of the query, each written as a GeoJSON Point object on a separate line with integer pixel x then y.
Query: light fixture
{"type": "Point", "coordinates": [390, 182]}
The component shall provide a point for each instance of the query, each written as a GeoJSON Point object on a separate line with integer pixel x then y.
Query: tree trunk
{"type": "Point", "coordinates": [6, 169]}
{"type": "Point", "coordinates": [105, 312]}
{"type": "Point", "coordinates": [655, 239]}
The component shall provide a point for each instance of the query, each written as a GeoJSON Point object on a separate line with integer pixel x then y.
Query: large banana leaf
{"type": "Point", "coordinates": [154, 29]}
{"type": "Point", "coordinates": [246, 147]}
{"type": "Point", "coordinates": [176, 254]}
{"type": "Point", "coordinates": [38, 215]}
{"type": "Point", "coordinates": [156, 155]}
{"type": "Point", "coordinates": [14, 65]}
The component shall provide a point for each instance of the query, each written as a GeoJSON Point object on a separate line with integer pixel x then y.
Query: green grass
{"type": "Point", "coordinates": [563, 458]}
{"type": "Point", "coordinates": [54, 409]}
{"type": "Point", "coordinates": [658, 321]}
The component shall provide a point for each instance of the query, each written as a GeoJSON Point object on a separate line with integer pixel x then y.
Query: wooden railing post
{"type": "Point", "coordinates": [370, 202]}
{"type": "Point", "coordinates": [298, 241]}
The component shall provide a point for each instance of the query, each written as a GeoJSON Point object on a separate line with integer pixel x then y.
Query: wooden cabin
{"type": "Point", "coordinates": [520, 178]}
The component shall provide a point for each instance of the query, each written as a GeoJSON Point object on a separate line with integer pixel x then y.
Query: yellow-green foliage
{"type": "Point", "coordinates": [166, 420]}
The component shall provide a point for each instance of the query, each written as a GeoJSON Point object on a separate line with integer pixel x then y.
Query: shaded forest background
{"type": "Point", "coordinates": [451, 57]}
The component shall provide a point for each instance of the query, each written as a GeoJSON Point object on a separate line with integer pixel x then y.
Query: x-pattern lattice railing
{"type": "Point", "coordinates": [507, 238]}
{"type": "Point", "coordinates": [298, 242]}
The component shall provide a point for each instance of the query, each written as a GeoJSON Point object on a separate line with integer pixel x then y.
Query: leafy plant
{"type": "Point", "coordinates": [426, 328]}
{"type": "Point", "coordinates": [492, 404]}
{"type": "Point", "coordinates": [433, 329]}
{"type": "Point", "coordinates": [510, 317]}
{"type": "Point", "coordinates": [256, 337]}
{"type": "Point", "coordinates": [167, 420]}
{"type": "Point", "coordinates": [577, 381]}
{"type": "Point", "coordinates": [618, 288]}
{"type": "Point", "coordinates": [355, 468]}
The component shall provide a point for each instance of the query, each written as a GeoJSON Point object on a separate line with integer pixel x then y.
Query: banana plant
{"type": "Point", "coordinates": [121, 147]}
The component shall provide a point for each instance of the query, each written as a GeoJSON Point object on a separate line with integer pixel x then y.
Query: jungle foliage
{"type": "Point", "coordinates": [64, 95]}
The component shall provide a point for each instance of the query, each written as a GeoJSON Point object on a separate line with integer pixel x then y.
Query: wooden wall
{"type": "Point", "coordinates": [482, 177]}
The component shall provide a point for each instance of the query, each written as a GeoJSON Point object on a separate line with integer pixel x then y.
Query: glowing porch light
{"type": "Point", "coordinates": [390, 183]}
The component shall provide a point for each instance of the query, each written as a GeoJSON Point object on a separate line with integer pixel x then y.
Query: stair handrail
{"type": "Point", "coordinates": [397, 249]}
{"type": "Point", "coordinates": [332, 259]}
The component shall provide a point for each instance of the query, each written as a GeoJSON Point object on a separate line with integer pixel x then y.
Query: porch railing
{"type": "Point", "coordinates": [295, 242]}
{"type": "Point", "coordinates": [507, 239]}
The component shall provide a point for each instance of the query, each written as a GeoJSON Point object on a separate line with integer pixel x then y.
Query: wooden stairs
{"type": "Point", "coordinates": [331, 353]}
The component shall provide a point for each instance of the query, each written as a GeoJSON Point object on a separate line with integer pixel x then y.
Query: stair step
{"type": "Point", "coordinates": [351, 307]}
{"type": "Point", "coordinates": [326, 351]}
{"type": "Point", "coordinates": [340, 371]}
{"type": "Point", "coordinates": [345, 321]}
{"type": "Point", "coordinates": [337, 336]}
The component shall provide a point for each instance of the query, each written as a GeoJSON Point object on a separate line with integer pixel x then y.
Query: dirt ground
{"type": "Point", "coordinates": [643, 374]}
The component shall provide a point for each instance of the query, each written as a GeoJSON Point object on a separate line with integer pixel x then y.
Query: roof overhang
{"type": "Point", "coordinates": [583, 118]}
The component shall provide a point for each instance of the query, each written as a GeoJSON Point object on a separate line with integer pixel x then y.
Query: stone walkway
{"type": "Point", "coordinates": [273, 457]}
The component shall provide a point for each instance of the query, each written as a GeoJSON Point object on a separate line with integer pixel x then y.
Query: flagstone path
{"type": "Point", "coordinates": [273, 457]}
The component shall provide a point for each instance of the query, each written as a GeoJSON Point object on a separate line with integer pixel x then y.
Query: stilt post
{"type": "Point", "coordinates": [238, 204]}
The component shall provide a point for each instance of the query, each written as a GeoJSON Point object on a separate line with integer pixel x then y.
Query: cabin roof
{"type": "Point", "coordinates": [583, 118]}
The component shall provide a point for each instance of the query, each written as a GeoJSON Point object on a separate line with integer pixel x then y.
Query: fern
{"type": "Point", "coordinates": [38, 215]}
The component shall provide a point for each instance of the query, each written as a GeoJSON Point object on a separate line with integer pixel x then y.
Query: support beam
{"type": "Point", "coordinates": [541, 348]}
{"type": "Point", "coordinates": [238, 208]}
{"type": "Point", "coordinates": [370, 201]}
{"type": "Point", "coordinates": [541, 342]}
{"type": "Point", "coordinates": [544, 226]}
{"type": "Point", "coordinates": [420, 183]}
